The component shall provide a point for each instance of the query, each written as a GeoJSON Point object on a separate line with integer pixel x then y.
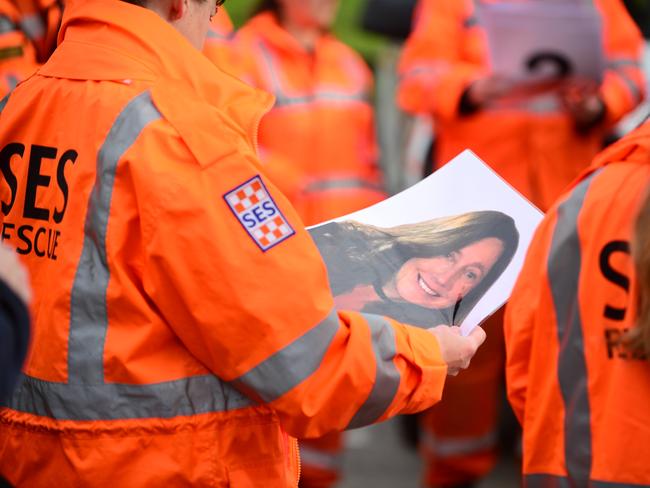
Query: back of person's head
{"type": "Point", "coordinates": [640, 336]}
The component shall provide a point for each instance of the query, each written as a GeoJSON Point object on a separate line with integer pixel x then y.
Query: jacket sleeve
{"type": "Point", "coordinates": [14, 338]}
{"type": "Point", "coordinates": [623, 87]}
{"type": "Point", "coordinates": [433, 72]}
{"type": "Point", "coordinates": [263, 319]}
{"type": "Point", "coordinates": [522, 314]}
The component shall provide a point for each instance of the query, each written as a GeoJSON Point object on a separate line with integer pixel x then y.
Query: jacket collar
{"type": "Point", "coordinates": [114, 40]}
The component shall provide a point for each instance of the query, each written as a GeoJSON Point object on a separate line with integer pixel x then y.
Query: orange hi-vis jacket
{"type": "Point", "coordinates": [182, 319]}
{"type": "Point", "coordinates": [580, 395]}
{"type": "Point", "coordinates": [28, 31]}
{"type": "Point", "coordinates": [530, 142]}
{"type": "Point", "coordinates": [318, 141]}
{"type": "Point", "coordinates": [217, 45]}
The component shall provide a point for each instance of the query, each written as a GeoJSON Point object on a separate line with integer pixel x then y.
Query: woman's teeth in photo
{"type": "Point", "coordinates": [427, 289]}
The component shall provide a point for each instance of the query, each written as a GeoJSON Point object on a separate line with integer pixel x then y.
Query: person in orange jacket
{"type": "Point", "coordinates": [184, 330]}
{"type": "Point", "coordinates": [28, 31]}
{"type": "Point", "coordinates": [538, 142]}
{"type": "Point", "coordinates": [318, 141]}
{"type": "Point", "coordinates": [575, 381]}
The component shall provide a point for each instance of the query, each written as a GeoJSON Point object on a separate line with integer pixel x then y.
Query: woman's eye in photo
{"type": "Point", "coordinates": [471, 275]}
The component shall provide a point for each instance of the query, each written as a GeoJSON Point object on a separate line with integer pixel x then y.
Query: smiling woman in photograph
{"type": "Point", "coordinates": [428, 273]}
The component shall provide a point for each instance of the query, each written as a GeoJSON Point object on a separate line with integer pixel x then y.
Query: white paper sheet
{"type": "Point", "coordinates": [529, 41]}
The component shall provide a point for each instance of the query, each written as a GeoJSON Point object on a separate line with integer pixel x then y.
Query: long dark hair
{"type": "Point", "coordinates": [356, 254]}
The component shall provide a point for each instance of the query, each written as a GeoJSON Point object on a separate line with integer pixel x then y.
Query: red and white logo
{"type": "Point", "coordinates": [258, 213]}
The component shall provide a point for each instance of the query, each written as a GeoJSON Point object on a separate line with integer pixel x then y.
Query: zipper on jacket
{"type": "Point", "coordinates": [298, 461]}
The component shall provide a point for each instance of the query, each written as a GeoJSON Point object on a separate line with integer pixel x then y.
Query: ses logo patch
{"type": "Point", "coordinates": [258, 214]}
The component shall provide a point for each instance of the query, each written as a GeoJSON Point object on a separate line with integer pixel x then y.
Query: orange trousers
{"type": "Point", "coordinates": [321, 461]}
{"type": "Point", "coordinates": [459, 435]}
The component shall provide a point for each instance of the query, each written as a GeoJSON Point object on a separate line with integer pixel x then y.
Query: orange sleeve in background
{"type": "Point", "coordinates": [433, 72]}
{"type": "Point", "coordinates": [624, 85]}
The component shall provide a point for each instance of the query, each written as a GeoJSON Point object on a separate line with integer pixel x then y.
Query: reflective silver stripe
{"type": "Point", "coordinates": [623, 63]}
{"type": "Point", "coordinates": [284, 100]}
{"type": "Point", "coordinates": [564, 263]}
{"type": "Point", "coordinates": [436, 68]}
{"type": "Point", "coordinates": [3, 102]}
{"type": "Point", "coordinates": [189, 396]}
{"type": "Point", "coordinates": [553, 481]}
{"type": "Point", "coordinates": [88, 308]}
{"type": "Point", "coordinates": [7, 25]}
{"type": "Point", "coordinates": [315, 458]}
{"type": "Point", "coordinates": [290, 366]}
{"type": "Point", "coordinates": [471, 21]}
{"type": "Point", "coordinates": [545, 104]}
{"type": "Point", "coordinates": [387, 377]}
{"type": "Point", "coordinates": [12, 81]}
{"type": "Point", "coordinates": [444, 448]}
{"type": "Point", "coordinates": [33, 26]}
{"type": "Point", "coordinates": [631, 85]}
{"type": "Point", "coordinates": [213, 34]}
{"type": "Point", "coordinates": [341, 184]}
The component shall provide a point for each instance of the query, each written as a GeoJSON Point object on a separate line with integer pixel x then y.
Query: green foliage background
{"type": "Point", "coordinates": [347, 26]}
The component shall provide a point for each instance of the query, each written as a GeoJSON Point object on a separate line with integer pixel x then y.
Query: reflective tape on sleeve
{"type": "Point", "coordinates": [293, 364]}
{"type": "Point", "coordinates": [387, 377]}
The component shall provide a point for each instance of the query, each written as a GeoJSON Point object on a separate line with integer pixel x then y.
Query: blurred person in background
{"type": "Point", "coordinates": [318, 140]}
{"type": "Point", "coordinates": [538, 144]}
{"type": "Point", "coordinates": [28, 30]}
{"type": "Point", "coordinates": [578, 330]}
{"type": "Point", "coordinates": [14, 323]}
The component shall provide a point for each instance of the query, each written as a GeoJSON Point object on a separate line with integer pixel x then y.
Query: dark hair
{"type": "Point", "coordinates": [639, 337]}
{"type": "Point", "coordinates": [356, 253]}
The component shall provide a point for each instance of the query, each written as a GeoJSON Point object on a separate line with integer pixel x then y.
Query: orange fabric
{"type": "Point", "coordinates": [553, 347]}
{"type": "Point", "coordinates": [318, 142]}
{"type": "Point", "coordinates": [322, 460]}
{"type": "Point", "coordinates": [217, 45]}
{"type": "Point", "coordinates": [459, 436]}
{"type": "Point", "coordinates": [533, 146]}
{"type": "Point", "coordinates": [168, 349]}
{"type": "Point", "coordinates": [21, 52]}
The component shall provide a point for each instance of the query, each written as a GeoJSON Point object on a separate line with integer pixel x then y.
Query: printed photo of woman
{"type": "Point", "coordinates": [426, 274]}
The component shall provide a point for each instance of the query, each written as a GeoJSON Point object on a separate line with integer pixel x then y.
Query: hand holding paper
{"type": "Point", "coordinates": [457, 351]}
